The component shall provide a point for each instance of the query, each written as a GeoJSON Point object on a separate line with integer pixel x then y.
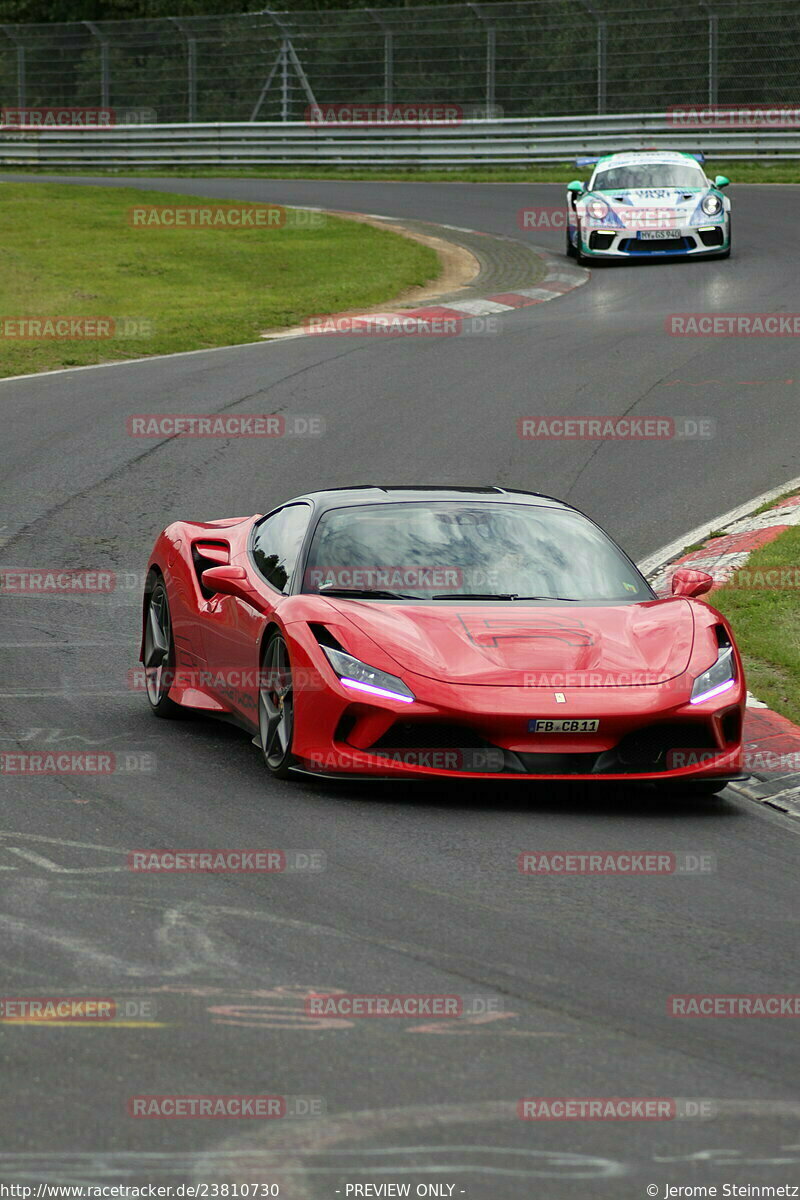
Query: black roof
{"type": "Point", "coordinates": [368, 493]}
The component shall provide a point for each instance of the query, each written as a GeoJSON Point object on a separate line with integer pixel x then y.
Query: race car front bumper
{"type": "Point", "coordinates": [644, 733]}
{"type": "Point", "coordinates": [684, 241]}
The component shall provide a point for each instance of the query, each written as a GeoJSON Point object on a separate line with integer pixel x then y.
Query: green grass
{"type": "Point", "coordinates": [766, 621]}
{"type": "Point", "coordinates": [67, 250]}
{"type": "Point", "coordinates": [768, 504]}
{"type": "Point", "coordinates": [737, 172]}
{"type": "Point", "coordinates": [714, 533]}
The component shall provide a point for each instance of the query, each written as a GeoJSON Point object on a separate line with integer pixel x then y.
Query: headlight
{"type": "Point", "coordinates": [716, 679]}
{"type": "Point", "coordinates": [362, 678]}
{"type": "Point", "coordinates": [597, 209]}
{"type": "Point", "coordinates": [711, 204]}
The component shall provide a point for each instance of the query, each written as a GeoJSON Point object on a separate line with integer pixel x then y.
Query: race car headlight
{"type": "Point", "coordinates": [711, 205]}
{"type": "Point", "coordinates": [362, 678]}
{"type": "Point", "coordinates": [716, 679]}
{"type": "Point", "coordinates": [597, 210]}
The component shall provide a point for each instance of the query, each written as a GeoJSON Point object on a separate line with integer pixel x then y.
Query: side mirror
{"type": "Point", "coordinates": [688, 582]}
{"type": "Point", "coordinates": [576, 187]}
{"type": "Point", "coordinates": [721, 181]}
{"type": "Point", "coordinates": [232, 581]}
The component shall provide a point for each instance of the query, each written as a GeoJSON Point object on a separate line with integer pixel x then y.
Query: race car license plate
{"type": "Point", "coordinates": [563, 726]}
{"type": "Point", "coordinates": [658, 235]}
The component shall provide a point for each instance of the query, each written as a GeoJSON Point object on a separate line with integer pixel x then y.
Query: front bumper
{"type": "Point", "coordinates": [690, 241]}
{"type": "Point", "coordinates": [648, 732]}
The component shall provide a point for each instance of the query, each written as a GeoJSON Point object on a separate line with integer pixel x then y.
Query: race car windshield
{"type": "Point", "coordinates": [432, 551]}
{"type": "Point", "coordinates": [649, 175]}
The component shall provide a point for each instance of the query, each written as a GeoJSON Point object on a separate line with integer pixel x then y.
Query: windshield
{"type": "Point", "coordinates": [448, 549]}
{"type": "Point", "coordinates": [649, 175]}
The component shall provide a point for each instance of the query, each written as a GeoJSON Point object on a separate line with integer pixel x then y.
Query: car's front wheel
{"type": "Point", "coordinates": [570, 247]}
{"type": "Point", "coordinates": [276, 707]}
{"type": "Point", "coordinates": [727, 253]}
{"type": "Point", "coordinates": [159, 651]}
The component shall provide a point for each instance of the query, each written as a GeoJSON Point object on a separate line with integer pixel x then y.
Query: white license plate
{"type": "Point", "coordinates": [658, 235]}
{"type": "Point", "coordinates": [563, 726]}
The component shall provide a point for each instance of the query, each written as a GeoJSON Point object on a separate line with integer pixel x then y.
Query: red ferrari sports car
{"type": "Point", "coordinates": [410, 632]}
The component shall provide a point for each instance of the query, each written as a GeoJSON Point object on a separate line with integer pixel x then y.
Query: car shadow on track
{"type": "Point", "coordinates": [645, 260]}
{"type": "Point", "coordinates": [561, 797]}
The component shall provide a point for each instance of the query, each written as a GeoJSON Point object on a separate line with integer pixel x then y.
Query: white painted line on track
{"type": "Point", "coordinates": [478, 308]}
{"type": "Point", "coordinates": [659, 557]}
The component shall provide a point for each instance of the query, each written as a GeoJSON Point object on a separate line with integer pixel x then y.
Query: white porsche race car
{"type": "Point", "coordinates": [648, 204]}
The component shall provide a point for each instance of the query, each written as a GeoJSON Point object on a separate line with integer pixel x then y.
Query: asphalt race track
{"type": "Point", "coordinates": [420, 891]}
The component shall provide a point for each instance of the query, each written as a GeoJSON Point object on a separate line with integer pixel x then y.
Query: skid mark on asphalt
{"type": "Point", "coordinates": [244, 1158]}
{"type": "Point", "coordinates": [91, 1167]}
{"type": "Point", "coordinates": [189, 946]}
{"type": "Point", "coordinates": [48, 864]}
{"type": "Point", "coordinates": [78, 949]}
{"type": "Point", "coordinates": [40, 861]}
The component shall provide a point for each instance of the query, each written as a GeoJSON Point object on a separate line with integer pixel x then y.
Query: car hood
{"type": "Point", "coordinates": [519, 644]}
{"type": "Point", "coordinates": [652, 197]}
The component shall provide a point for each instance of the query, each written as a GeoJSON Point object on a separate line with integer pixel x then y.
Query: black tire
{"type": "Point", "coordinates": [570, 248]}
{"type": "Point", "coordinates": [276, 707]}
{"type": "Point", "coordinates": [580, 257]}
{"type": "Point", "coordinates": [727, 253]}
{"type": "Point", "coordinates": [159, 651]}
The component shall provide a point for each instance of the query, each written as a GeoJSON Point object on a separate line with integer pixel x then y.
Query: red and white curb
{"type": "Point", "coordinates": [450, 316]}
{"type": "Point", "coordinates": [771, 741]}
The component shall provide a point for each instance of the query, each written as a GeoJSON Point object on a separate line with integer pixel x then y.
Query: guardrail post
{"type": "Point", "coordinates": [491, 62]}
{"type": "Point", "coordinates": [12, 37]}
{"type": "Point", "coordinates": [713, 51]}
{"type": "Point", "coordinates": [191, 71]}
{"type": "Point", "coordinates": [388, 66]}
{"type": "Point", "coordinates": [602, 65]}
{"type": "Point", "coordinates": [388, 55]}
{"type": "Point", "coordinates": [286, 56]}
{"type": "Point", "coordinates": [284, 81]}
{"type": "Point", "coordinates": [491, 59]}
{"type": "Point", "coordinates": [602, 55]}
{"type": "Point", "coordinates": [105, 72]}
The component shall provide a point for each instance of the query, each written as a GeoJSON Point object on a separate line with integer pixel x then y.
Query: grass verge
{"type": "Point", "coordinates": [766, 620]}
{"type": "Point", "coordinates": [738, 171]}
{"type": "Point", "coordinates": [70, 251]}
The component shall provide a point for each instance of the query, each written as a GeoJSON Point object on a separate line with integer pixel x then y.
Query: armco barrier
{"type": "Point", "coordinates": [512, 142]}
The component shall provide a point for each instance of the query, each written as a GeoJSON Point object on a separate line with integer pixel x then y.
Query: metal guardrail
{"type": "Point", "coordinates": [513, 142]}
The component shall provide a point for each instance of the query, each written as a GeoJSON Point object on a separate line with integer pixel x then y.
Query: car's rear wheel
{"type": "Point", "coordinates": [159, 652]}
{"type": "Point", "coordinates": [276, 707]}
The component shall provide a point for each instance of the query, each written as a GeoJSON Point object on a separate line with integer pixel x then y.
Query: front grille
{"type": "Point", "coordinates": [712, 237]}
{"type": "Point", "coordinates": [647, 748]}
{"type": "Point", "coordinates": [429, 735]}
{"type": "Point", "coordinates": [600, 241]}
{"type": "Point", "coordinates": [645, 246]}
{"type": "Point", "coordinates": [557, 764]}
{"type": "Point", "coordinates": [460, 748]}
